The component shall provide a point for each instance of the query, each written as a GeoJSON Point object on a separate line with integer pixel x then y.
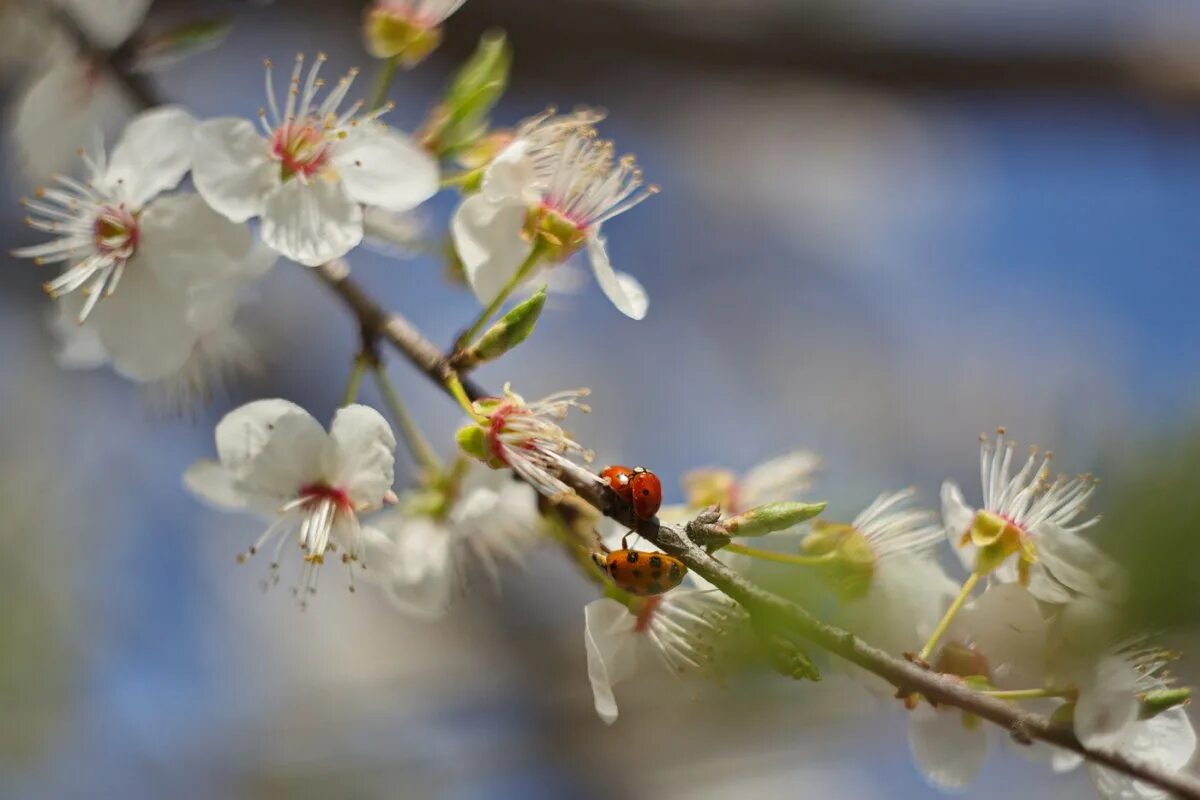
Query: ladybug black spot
{"type": "Point", "coordinates": [655, 562]}
{"type": "Point", "coordinates": [655, 588]}
{"type": "Point", "coordinates": [637, 573]}
{"type": "Point", "coordinates": [632, 557]}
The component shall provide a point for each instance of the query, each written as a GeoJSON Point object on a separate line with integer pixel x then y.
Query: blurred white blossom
{"type": "Point", "coordinates": [551, 188]}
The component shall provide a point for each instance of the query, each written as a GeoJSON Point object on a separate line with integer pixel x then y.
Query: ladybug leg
{"type": "Point", "coordinates": [625, 542]}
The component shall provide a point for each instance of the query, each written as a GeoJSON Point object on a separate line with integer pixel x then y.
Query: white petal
{"type": "Point", "coordinates": [1075, 562]}
{"type": "Point", "coordinates": [1167, 741]}
{"type": "Point", "coordinates": [53, 117]}
{"type": "Point", "coordinates": [1006, 625]}
{"type": "Point", "coordinates": [186, 243]}
{"type": "Point", "coordinates": [271, 446]}
{"type": "Point", "coordinates": [152, 155]}
{"type": "Point", "coordinates": [610, 640]}
{"type": "Point", "coordinates": [957, 517]}
{"type": "Point", "coordinates": [360, 455]}
{"type": "Point", "coordinates": [78, 345]}
{"type": "Point", "coordinates": [623, 290]}
{"type": "Point", "coordinates": [107, 23]}
{"type": "Point", "coordinates": [948, 751]}
{"type": "Point", "coordinates": [779, 479]}
{"type": "Point", "coordinates": [211, 481]}
{"type": "Point", "coordinates": [311, 223]}
{"type": "Point", "coordinates": [1043, 586]}
{"type": "Point", "coordinates": [383, 168]}
{"type": "Point", "coordinates": [418, 574]}
{"type": "Point", "coordinates": [232, 168]}
{"type": "Point", "coordinates": [1108, 703]}
{"type": "Point", "coordinates": [143, 325]}
{"type": "Point", "coordinates": [487, 237]}
{"type": "Point", "coordinates": [511, 176]}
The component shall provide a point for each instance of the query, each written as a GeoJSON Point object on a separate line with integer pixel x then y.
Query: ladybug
{"type": "Point", "coordinates": [640, 572]}
{"type": "Point", "coordinates": [638, 486]}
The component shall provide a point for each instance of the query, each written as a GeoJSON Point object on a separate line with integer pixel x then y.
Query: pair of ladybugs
{"type": "Point", "coordinates": [637, 571]}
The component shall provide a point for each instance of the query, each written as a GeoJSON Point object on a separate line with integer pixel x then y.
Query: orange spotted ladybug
{"type": "Point", "coordinates": [638, 486]}
{"type": "Point", "coordinates": [641, 573]}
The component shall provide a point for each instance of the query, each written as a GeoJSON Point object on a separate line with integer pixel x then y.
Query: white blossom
{"type": "Point", "coordinates": [527, 438]}
{"type": "Point", "coordinates": [274, 459]}
{"type": "Point", "coordinates": [67, 95]}
{"type": "Point", "coordinates": [1035, 518]}
{"type": "Point", "coordinates": [1001, 637]}
{"type": "Point", "coordinates": [139, 262]}
{"type": "Point", "coordinates": [1166, 742]}
{"type": "Point", "coordinates": [309, 170]}
{"type": "Point", "coordinates": [894, 592]}
{"type": "Point", "coordinates": [777, 480]}
{"type": "Point", "coordinates": [424, 557]}
{"type": "Point", "coordinates": [553, 187]}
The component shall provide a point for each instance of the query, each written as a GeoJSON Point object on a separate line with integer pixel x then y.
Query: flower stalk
{"type": "Point", "coordinates": [943, 625]}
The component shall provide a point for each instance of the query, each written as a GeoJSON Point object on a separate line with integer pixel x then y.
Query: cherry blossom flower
{"type": "Point", "coordinates": [526, 436]}
{"type": "Point", "coordinates": [681, 628]}
{"type": "Point", "coordinates": [893, 590]}
{"type": "Point", "coordinates": [1166, 742]}
{"type": "Point", "coordinates": [777, 480]}
{"type": "Point", "coordinates": [275, 460]}
{"type": "Point", "coordinates": [310, 169]}
{"type": "Point", "coordinates": [67, 95]}
{"type": "Point", "coordinates": [407, 29]}
{"type": "Point", "coordinates": [139, 261]}
{"type": "Point", "coordinates": [999, 639]}
{"type": "Point", "coordinates": [551, 189]}
{"type": "Point", "coordinates": [426, 549]}
{"type": "Point", "coordinates": [1033, 517]}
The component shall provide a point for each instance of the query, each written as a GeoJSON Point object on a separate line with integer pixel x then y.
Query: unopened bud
{"type": "Point", "coordinates": [461, 119]}
{"type": "Point", "coordinates": [1157, 701]}
{"type": "Point", "coordinates": [389, 33]}
{"type": "Point", "coordinates": [508, 332]}
{"type": "Point", "coordinates": [770, 518]}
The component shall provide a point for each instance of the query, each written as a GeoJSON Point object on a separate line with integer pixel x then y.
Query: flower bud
{"type": "Point", "coordinates": [770, 518]}
{"type": "Point", "coordinates": [180, 42]}
{"type": "Point", "coordinates": [1157, 701]}
{"type": "Point", "coordinates": [391, 32]}
{"type": "Point", "coordinates": [460, 121]}
{"type": "Point", "coordinates": [508, 332]}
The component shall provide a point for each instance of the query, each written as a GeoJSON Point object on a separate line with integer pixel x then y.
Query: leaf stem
{"type": "Point", "coordinates": [355, 381]}
{"type": "Point", "coordinates": [455, 387]}
{"type": "Point", "coordinates": [949, 616]}
{"type": "Point", "coordinates": [418, 445]}
{"type": "Point", "coordinates": [383, 82]}
{"type": "Point", "coordinates": [523, 271]}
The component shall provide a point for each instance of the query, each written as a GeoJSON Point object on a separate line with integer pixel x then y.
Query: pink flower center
{"type": "Point", "coordinates": [498, 418]}
{"type": "Point", "coordinates": [316, 493]}
{"type": "Point", "coordinates": [300, 148]}
{"type": "Point", "coordinates": [116, 232]}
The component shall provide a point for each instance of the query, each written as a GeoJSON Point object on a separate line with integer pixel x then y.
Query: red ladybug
{"type": "Point", "coordinates": [638, 486]}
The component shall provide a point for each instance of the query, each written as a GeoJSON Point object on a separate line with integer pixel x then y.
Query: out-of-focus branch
{"type": "Point", "coordinates": [391, 327]}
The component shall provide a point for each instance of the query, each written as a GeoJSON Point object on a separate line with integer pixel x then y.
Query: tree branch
{"type": "Point", "coordinates": [428, 359]}
{"type": "Point", "coordinates": [1023, 726]}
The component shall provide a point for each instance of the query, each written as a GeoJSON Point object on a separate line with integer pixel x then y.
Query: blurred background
{"type": "Point", "coordinates": [885, 227]}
